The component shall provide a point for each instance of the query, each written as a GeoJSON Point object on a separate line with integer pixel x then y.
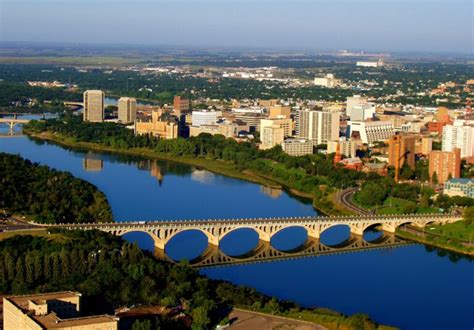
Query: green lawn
{"type": "Point", "coordinates": [40, 232]}
{"type": "Point", "coordinates": [454, 236]}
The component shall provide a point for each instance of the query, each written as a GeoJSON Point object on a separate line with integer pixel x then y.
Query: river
{"type": "Point", "coordinates": [412, 287]}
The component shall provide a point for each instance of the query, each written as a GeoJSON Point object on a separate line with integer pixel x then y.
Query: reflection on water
{"type": "Point", "coordinates": [271, 192]}
{"type": "Point", "coordinates": [412, 287]}
{"type": "Point", "coordinates": [92, 163]}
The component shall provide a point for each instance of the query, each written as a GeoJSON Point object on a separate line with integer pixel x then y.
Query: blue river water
{"type": "Point", "coordinates": [411, 287]}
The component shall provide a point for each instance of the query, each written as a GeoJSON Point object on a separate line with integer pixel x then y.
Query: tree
{"type": "Point", "coordinates": [200, 317]}
{"type": "Point", "coordinates": [371, 194]}
{"type": "Point", "coordinates": [469, 215]}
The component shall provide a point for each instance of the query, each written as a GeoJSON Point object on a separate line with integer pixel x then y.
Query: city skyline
{"type": "Point", "coordinates": [427, 25]}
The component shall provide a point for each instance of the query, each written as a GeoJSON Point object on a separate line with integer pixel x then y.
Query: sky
{"type": "Point", "coordinates": [370, 25]}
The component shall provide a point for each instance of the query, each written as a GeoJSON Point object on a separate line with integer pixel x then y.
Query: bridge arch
{"type": "Point", "coordinates": [122, 232]}
{"type": "Point", "coordinates": [262, 235]}
{"type": "Point", "coordinates": [170, 233]}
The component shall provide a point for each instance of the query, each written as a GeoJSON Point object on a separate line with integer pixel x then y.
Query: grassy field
{"type": "Point", "coordinates": [40, 232]}
{"type": "Point", "coordinates": [454, 237]}
{"type": "Point", "coordinates": [393, 205]}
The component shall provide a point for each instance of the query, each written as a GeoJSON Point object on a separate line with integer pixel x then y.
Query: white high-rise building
{"type": "Point", "coordinates": [359, 108]}
{"type": "Point", "coordinates": [361, 112]}
{"type": "Point", "coordinates": [459, 135]}
{"type": "Point", "coordinates": [318, 126]}
{"type": "Point", "coordinates": [372, 131]}
{"type": "Point", "coordinates": [204, 117]}
{"type": "Point", "coordinates": [94, 106]}
{"type": "Point", "coordinates": [127, 109]}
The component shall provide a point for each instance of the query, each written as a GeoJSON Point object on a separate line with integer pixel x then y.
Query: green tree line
{"type": "Point", "coordinates": [48, 195]}
{"type": "Point", "coordinates": [110, 273]}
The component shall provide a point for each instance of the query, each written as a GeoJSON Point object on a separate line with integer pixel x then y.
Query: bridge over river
{"type": "Point", "coordinates": [215, 230]}
{"type": "Point", "coordinates": [12, 122]}
{"type": "Point", "coordinates": [265, 252]}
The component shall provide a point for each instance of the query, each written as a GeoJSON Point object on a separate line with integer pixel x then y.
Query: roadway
{"type": "Point", "coordinates": [345, 198]}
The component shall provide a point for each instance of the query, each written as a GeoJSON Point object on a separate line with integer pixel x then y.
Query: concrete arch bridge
{"type": "Point", "coordinates": [213, 256]}
{"type": "Point", "coordinates": [215, 230]}
{"type": "Point", "coordinates": [12, 122]}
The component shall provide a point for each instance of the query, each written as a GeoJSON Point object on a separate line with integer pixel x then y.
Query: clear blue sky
{"type": "Point", "coordinates": [387, 25]}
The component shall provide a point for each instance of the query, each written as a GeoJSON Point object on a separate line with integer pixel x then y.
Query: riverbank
{"type": "Point", "coordinates": [454, 237]}
{"type": "Point", "coordinates": [323, 206]}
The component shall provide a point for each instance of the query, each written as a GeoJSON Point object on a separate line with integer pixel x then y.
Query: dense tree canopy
{"type": "Point", "coordinates": [49, 196]}
{"type": "Point", "coordinates": [110, 272]}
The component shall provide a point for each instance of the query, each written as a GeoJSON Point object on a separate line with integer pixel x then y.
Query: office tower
{"type": "Point", "coordinates": [401, 150]}
{"type": "Point", "coordinates": [459, 135]}
{"type": "Point", "coordinates": [205, 117]}
{"type": "Point", "coordinates": [94, 106]}
{"type": "Point", "coordinates": [445, 164]}
{"type": "Point", "coordinates": [271, 136]}
{"type": "Point", "coordinates": [370, 132]}
{"type": "Point", "coordinates": [361, 112]}
{"type": "Point", "coordinates": [127, 109]}
{"type": "Point", "coordinates": [353, 101]}
{"type": "Point", "coordinates": [318, 126]}
{"type": "Point", "coordinates": [181, 105]}
{"type": "Point", "coordinates": [297, 147]}
{"type": "Point", "coordinates": [286, 124]}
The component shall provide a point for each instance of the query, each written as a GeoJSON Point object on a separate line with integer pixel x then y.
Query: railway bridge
{"type": "Point", "coordinates": [215, 230]}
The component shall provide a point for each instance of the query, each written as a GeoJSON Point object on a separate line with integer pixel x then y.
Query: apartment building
{"type": "Point", "coordinates": [127, 109]}
{"type": "Point", "coordinates": [93, 106]}
{"type": "Point", "coordinates": [318, 126]}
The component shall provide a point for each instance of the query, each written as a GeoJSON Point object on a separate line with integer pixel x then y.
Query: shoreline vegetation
{"type": "Point", "coordinates": [454, 237]}
{"type": "Point", "coordinates": [324, 206]}
{"type": "Point", "coordinates": [119, 274]}
{"type": "Point", "coordinates": [47, 195]}
{"type": "Point", "coordinates": [73, 133]}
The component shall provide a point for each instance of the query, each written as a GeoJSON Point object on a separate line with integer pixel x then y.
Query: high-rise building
{"type": "Point", "coordinates": [426, 145]}
{"type": "Point", "coordinates": [361, 112]}
{"type": "Point", "coordinates": [347, 148]}
{"type": "Point", "coordinates": [445, 164]}
{"type": "Point", "coordinates": [459, 135]}
{"type": "Point", "coordinates": [127, 109]}
{"type": "Point", "coordinates": [94, 106]}
{"type": "Point", "coordinates": [297, 147]}
{"type": "Point", "coordinates": [181, 105]}
{"type": "Point", "coordinates": [286, 124]}
{"type": "Point", "coordinates": [354, 101]}
{"type": "Point", "coordinates": [372, 131]}
{"type": "Point", "coordinates": [204, 117]}
{"type": "Point", "coordinates": [401, 150]}
{"type": "Point", "coordinates": [279, 112]}
{"type": "Point", "coordinates": [271, 136]}
{"type": "Point", "coordinates": [318, 126]}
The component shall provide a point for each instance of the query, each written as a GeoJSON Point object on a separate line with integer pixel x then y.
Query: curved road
{"type": "Point", "coordinates": [345, 198]}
